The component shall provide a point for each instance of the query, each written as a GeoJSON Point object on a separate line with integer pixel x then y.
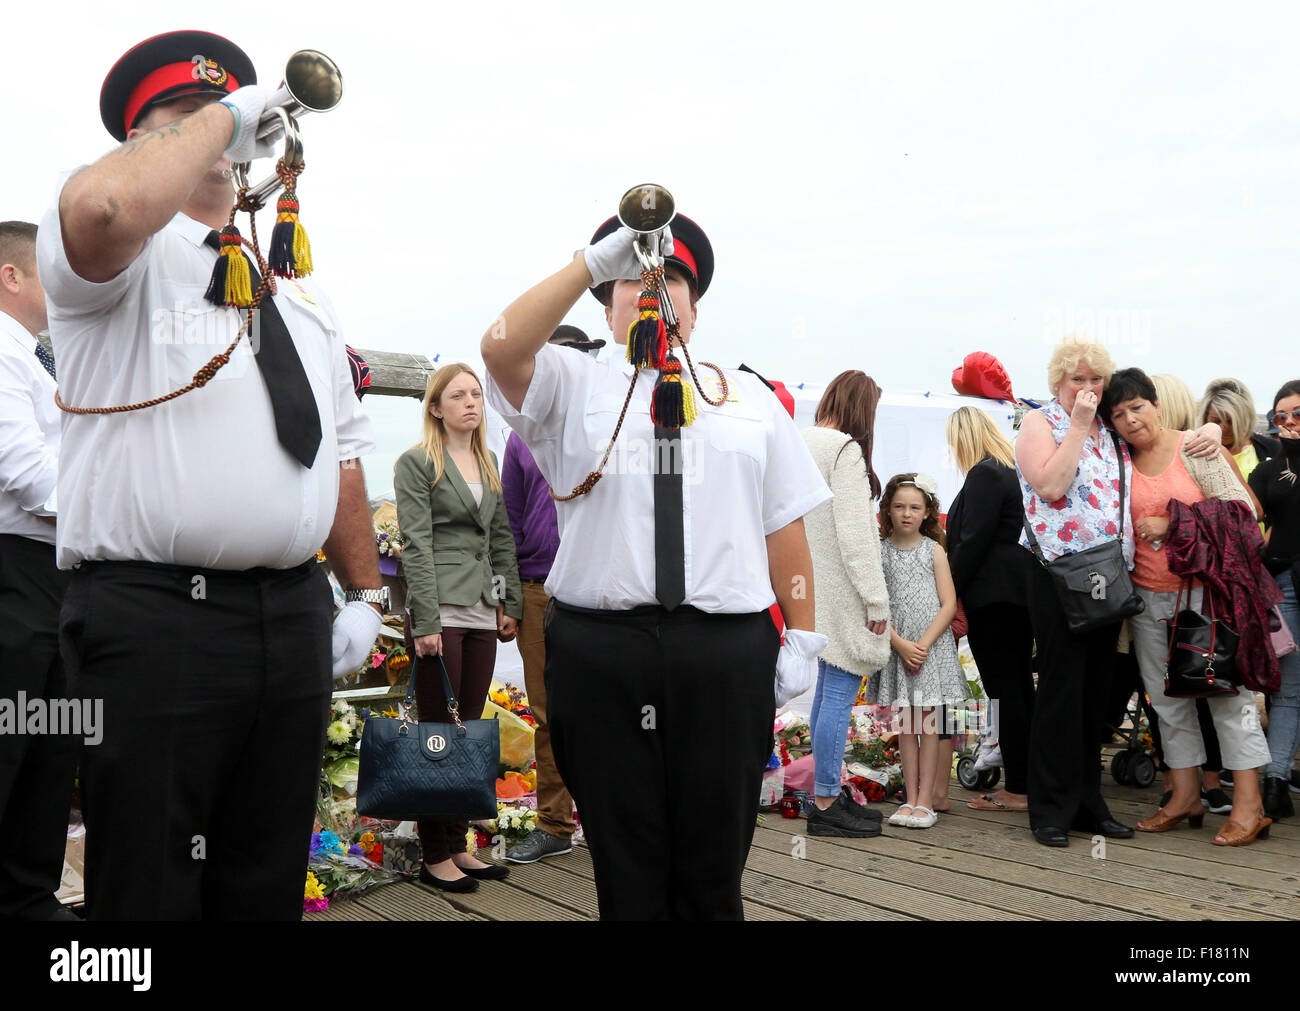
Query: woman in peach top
{"type": "Point", "coordinates": [1163, 471]}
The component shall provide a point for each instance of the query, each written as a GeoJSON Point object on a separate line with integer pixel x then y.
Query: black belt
{"type": "Point", "coordinates": [255, 574]}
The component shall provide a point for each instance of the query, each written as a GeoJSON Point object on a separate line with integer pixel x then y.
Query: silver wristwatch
{"type": "Point", "coordinates": [379, 596]}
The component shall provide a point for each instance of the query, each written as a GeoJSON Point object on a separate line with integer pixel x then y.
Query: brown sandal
{"type": "Point", "coordinates": [1233, 834]}
{"type": "Point", "coordinates": [1162, 822]}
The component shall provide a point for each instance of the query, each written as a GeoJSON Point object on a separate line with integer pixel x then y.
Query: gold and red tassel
{"type": "Point", "coordinates": [672, 403]}
{"type": "Point", "coordinates": [647, 339]}
{"type": "Point", "coordinates": [290, 249]}
{"type": "Point", "coordinates": [232, 283]}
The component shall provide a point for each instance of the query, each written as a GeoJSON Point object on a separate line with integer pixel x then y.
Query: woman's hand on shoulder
{"type": "Point", "coordinates": [1204, 443]}
{"type": "Point", "coordinates": [429, 645]}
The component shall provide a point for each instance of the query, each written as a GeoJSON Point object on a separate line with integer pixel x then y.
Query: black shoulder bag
{"type": "Point", "coordinates": [1202, 652]}
{"type": "Point", "coordinates": [1093, 585]}
{"type": "Point", "coordinates": [422, 771]}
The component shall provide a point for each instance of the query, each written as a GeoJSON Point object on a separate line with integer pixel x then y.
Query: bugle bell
{"type": "Point", "coordinates": [648, 209]}
{"type": "Point", "coordinates": [312, 83]}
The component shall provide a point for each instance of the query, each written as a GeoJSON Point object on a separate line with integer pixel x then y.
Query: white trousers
{"type": "Point", "coordinates": [1241, 741]}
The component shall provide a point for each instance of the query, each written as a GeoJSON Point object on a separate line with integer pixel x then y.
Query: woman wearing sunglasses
{"type": "Point", "coordinates": [1274, 481]}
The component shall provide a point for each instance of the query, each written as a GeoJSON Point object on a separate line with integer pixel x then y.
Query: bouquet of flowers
{"type": "Point", "coordinates": [793, 739]}
{"type": "Point", "coordinates": [335, 868]}
{"type": "Point", "coordinates": [388, 539]}
{"type": "Point", "coordinates": [871, 741]}
{"type": "Point", "coordinates": [513, 700]}
{"type": "Point", "coordinates": [512, 823]}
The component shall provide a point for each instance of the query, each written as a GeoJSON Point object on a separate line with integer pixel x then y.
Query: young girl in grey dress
{"type": "Point", "coordinates": [922, 673]}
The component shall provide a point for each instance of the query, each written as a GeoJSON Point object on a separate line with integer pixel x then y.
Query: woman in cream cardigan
{"type": "Point", "coordinates": [852, 607]}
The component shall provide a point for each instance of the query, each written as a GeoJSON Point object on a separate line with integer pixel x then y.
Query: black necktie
{"type": "Point", "coordinates": [297, 422]}
{"type": "Point", "coordinates": [670, 545]}
{"type": "Point", "coordinates": [46, 359]}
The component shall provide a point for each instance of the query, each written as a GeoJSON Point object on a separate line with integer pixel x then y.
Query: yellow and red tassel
{"type": "Point", "coordinates": [290, 250]}
{"type": "Point", "coordinates": [232, 283]}
{"type": "Point", "coordinates": [672, 403]}
{"type": "Point", "coordinates": [647, 339]}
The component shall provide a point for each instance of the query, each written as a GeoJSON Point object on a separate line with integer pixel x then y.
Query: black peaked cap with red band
{"type": "Point", "coordinates": [691, 251]}
{"type": "Point", "coordinates": [165, 67]}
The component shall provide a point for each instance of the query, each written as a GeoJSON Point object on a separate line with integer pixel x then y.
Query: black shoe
{"type": "Point", "coordinates": [465, 884]}
{"type": "Point", "coordinates": [1277, 798]}
{"type": "Point", "coordinates": [1112, 829]}
{"type": "Point", "coordinates": [1050, 835]}
{"type": "Point", "coordinates": [492, 872]}
{"type": "Point", "coordinates": [859, 811]}
{"type": "Point", "coordinates": [1165, 798]}
{"type": "Point", "coordinates": [1216, 801]}
{"type": "Point", "coordinates": [1295, 780]}
{"type": "Point", "coordinates": [835, 821]}
{"type": "Point", "coordinates": [1225, 777]}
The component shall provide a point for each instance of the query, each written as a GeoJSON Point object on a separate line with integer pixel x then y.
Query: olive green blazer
{"type": "Point", "coordinates": [456, 552]}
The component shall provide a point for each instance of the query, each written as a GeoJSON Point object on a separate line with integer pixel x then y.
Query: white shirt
{"type": "Point", "coordinates": [201, 480]}
{"type": "Point", "coordinates": [746, 474]}
{"type": "Point", "coordinates": [29, 436]}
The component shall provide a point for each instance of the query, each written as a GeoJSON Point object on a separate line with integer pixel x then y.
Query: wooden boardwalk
{"type": "Point", "coordinates": [973, 865]}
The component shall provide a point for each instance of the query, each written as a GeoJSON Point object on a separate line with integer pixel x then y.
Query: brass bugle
{"type": "Point", "coordinates": [312, 83]}
{"type": "Point", "coordinates": [648, 209]}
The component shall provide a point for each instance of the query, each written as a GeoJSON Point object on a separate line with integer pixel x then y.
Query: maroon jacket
{"type": "Point", "coordinates": [1219, 543]}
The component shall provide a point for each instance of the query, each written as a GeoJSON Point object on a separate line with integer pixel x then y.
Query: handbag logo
{"type": "Point", "coordinates": [436, 743]}
{"type": "Point", "coordinates": [1098, 585]}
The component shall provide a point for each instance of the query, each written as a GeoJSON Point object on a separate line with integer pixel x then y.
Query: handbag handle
{"type": "Point", "coordinates": [1119, 458]}
{"type": "Point", "coordinates": [453, 707]}
{"type": "Point", "coordinates": [1186, 584]}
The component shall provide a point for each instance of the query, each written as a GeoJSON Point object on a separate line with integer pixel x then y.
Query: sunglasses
{"type": "Point", "coordinates": [1281, 416]}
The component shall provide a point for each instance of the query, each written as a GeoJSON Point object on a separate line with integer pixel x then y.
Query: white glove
{"type": "Point", "coordinates": [355, 629]}
{"type": "Point", "coordinates": [796, 664]}
{"type": "Point", "coordinates": [247, 105]}
{"type": "Point", "coordinates": [612, 259]}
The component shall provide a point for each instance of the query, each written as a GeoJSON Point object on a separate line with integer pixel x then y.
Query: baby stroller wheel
{"type": "Point", "coordinates": [988, 778]}
{"type": "Point", "coordinates": [966, 774]}
{"type": "Point", "coordinates": [1142, 770]}
{"type": "Point", "coordinates": [1119, 767]}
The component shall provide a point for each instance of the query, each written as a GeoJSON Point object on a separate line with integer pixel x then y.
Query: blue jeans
{"type": "Point", "coordinates": [1284, 708]}
{"type": "Point", "coordinates": [831, 708]}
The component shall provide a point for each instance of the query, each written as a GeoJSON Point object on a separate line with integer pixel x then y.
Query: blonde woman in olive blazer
{"type": "Point", "coordinates": [463, 591]}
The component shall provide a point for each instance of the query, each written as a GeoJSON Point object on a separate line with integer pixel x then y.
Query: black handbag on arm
{"type": "Point", "coordinates": [1093, 585]}
{"type": "Point", "coordinates": [1201, 660]}
{"type": "Point", "coordinates": [422, 771]}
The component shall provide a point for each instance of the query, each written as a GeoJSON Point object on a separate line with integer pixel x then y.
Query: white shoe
{"type": "Point", "coordinates": [898, 818]}
{"type": "Point", "coordinates": [922, 821]}
{"type": "Point", "coordinates": [989, 758]}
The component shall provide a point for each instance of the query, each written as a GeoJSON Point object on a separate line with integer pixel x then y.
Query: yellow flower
{"type": "Point", "coordinates": [338, 733]}
{"type": "Point", "coordinates": [312, 889]}
{"type": "Point", "coordinates": [320, 556]}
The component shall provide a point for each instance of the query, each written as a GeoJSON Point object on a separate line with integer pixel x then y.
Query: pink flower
{"type": "Point", "coordinates": [315, 905]}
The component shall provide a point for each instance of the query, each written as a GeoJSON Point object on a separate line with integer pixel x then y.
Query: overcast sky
{"type": "Point", "coordinates": [886, 186]}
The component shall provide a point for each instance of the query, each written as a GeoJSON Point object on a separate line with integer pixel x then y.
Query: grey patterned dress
{"type": "Point", "coordinates": [913, 603]}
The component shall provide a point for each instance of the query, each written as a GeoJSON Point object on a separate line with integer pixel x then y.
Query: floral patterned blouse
{"type": "Point", "coordinates": [1089, 512]}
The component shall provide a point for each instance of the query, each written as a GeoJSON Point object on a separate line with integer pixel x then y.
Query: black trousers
{"type": "Point", "coordinates": [36, 770]}
{"type": "Point", "coordinates": [1073, 678]}
{"type": "Point", "coordinates": [662, 726]}
{"type": "Point", "coordinates": [200, 799]}
{"type": "Point", "coordinates": [1001, 640]}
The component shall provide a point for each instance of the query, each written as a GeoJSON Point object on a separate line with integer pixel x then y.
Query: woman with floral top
{"type": "Point", "coordinates": [1069, 471]}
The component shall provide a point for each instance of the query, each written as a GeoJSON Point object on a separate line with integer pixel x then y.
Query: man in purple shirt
{"type": "Point", "coordinates": [537, 537]}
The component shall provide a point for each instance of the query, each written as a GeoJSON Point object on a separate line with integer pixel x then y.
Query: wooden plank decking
{"type": "Point", "coordinates": [973, 865]}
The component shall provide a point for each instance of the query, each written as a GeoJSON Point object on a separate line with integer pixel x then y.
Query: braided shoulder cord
{"type": "Point", "coordinates": [590, 480]}
{"type": "Point", "coordinates": [214, 365]}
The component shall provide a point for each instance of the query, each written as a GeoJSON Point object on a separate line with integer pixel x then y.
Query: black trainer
{"type": "Point", "coordinates": [859, 811]}
{"type": "Point", "coordinates": [1277, 798]}
{"type": "Point", "coordinates": [835, 821]}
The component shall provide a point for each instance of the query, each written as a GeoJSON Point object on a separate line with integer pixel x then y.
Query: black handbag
{"type": "Point", "coordinates": [1201, 660]}
{"type": "Point", "coordinates": [1093, 585]}
{"type": "Point", "coordinates": [422, 771]}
